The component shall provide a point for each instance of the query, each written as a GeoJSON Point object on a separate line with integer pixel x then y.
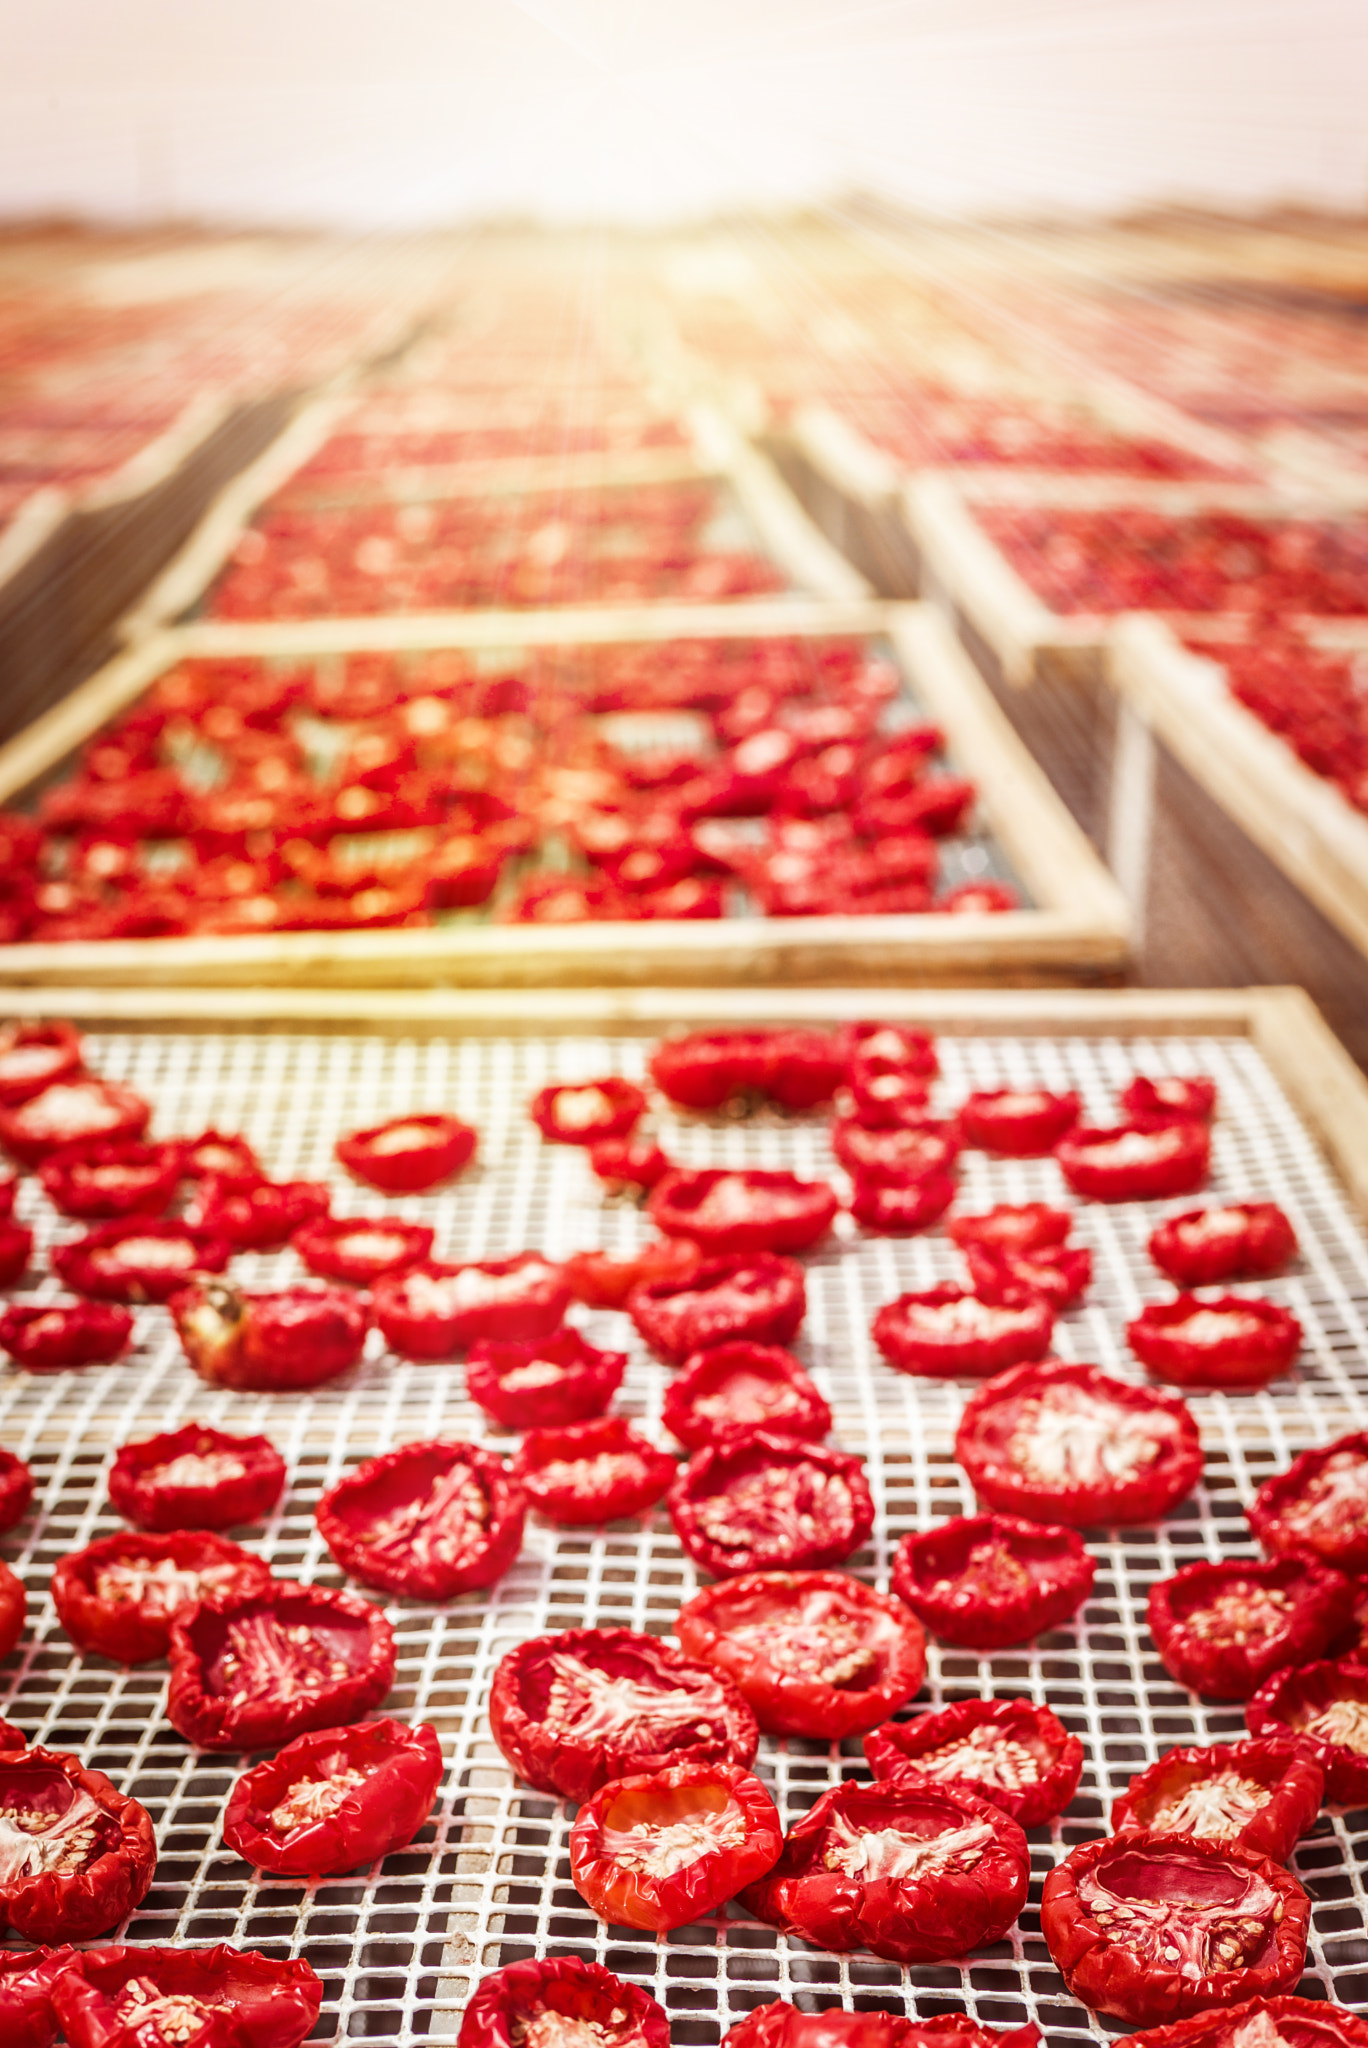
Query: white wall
{"type": "Point", "coordinates": [381, 112]}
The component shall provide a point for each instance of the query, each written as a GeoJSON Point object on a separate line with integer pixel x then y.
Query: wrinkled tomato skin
{"type": "Point", "coordinates": [1059, 1273]}
{"type": "Point", "coordinates": [1319, 1504]}
{"type": "Point", "coordinates": [1173, 1161]}
{"type": "Point", "coordinates": [900, 1157]}
{"type": "Point", "coordinates": [423, 1321]}
{"type": "Point", "coordinates": [352, 1517]}
{"type": "Point", "coordinates": [81, 1180]}
{"type": "Point", "coordinates": [270, 2004]}
{"type": "Point", "coordinates": [1012, 1227]}
{"type": "Point", "coordinates": [727, 1539]}
{"type": "Point", "coordinates": [260, 1218]}
{"type": "Point", "coordinates": [757, 1296]}
{"type": "Point", "coordinates": [783, 2026]}
{"type": "Point", "coordinates": [1229, 1658]}
{"type": "Point", "coordinates": [1299, 2022]}
{"type": "Point", "coordinates": [27, 2019]}
{"type": "Point", "coordinates": [141, 1493]}
{"type": "Point", "coordinates": [1295, 1699]}
{"type": "Point", "coordinates": [1244, 1358]}
{"type": "Point", "coordinates": [13, 1609]}
{"type": "Point", "coordinates": [89, 1265]}
{"type": "Point", "coordinates": [984, 1447]}
{"type": "Point", "coordinates": [1114, 1974]}
{"type": "Point", "coordinates": [1194, 1254]}
{"type": "Point", "coordinates": [1174, 1098]}
{"type": "Point", "coordinates": [33, 1056]}
{"type": "Point", "coordinates": [1019, 1123]}
{"type": "Point", "coordinates": [729, 1389]}
{"type": "Point", "coordinates": [916, 1337]}
{"type": "Point", "coordinates": [562, 1377]}
{"type": "Point", "coordinates": [1038, 1577]}
{"type": "Point", "coordinates": [16, 1489]}
{"type": "Point", "coordinates": [203, 1706]}
{"type": "Point", "coordinates": [761, 1212]}
{"type": "Point", "coordinates": [443, 1147]}
{"type": "Point", "coordinates": [564, 1121]}
{"type": "Point", "coordinates": [557, 1469]}
{"type": "Point", "coordinates": [1030, 1742]}
{"type": "Point", "coordinates": [600, 1281]}
{"type": "Point", "coordinates": [547, 1751]}
{"type": "Point", "coordinates": [918, 1919]}
{"type": "Point", "coordinates": [399, 1770]}
{"type": "Point", "coordinates": [137, 1630]}
{"type": "Point", "coordinates": [115, 1874]}
{"type": "Point", "coordinates": [53, 1335]}
{"type": "Point", "coordinates": [884, 1649]}
{"type": "Point", "coordinates": [1279, 1767]}
{"type": "Point", "coordinates": [628, 1898]}
{"type": "Point", "coordinates": [45, 1122]}
{"type": "Point", "coordinates": [891, 1211]}
{"type": "Point", "coordinates": [269, 1343]}
{"type": "Point", "coordinates": [584, 1994]}
{"type": "Point", "coordinates": [322, 1245]}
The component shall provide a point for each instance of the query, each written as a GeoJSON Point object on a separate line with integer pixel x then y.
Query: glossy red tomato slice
{"type": "Point", "coordinates": [144, 1258]}
{"type": "Point", "coordinates": [783, 2026]}
{"type": "Point", "coordinates": [196, 1478]}
{"type": "Point", "coordinates": [901, 1044]}
{"type": "Point", "coordinates": [661, 1849]}
{"type": "Point", "coordinates": [798, 1070]}
{"type": "Point", "coordinates": [584, 1112]}
{"type": "Point", "coordinates": [601, 1281]}
{"type": "Point", "coordinates": [731, 1388]}
{"type": "Point", "coordinates": [250, 1670]}
{"type": "Point", "coordinates": [1059, 1273]}
{"type": "Point", "coordinates": [1262, 2023]}
{"type": "Point", "coordinates": [13, 1609]}
{"type": "Point", "coordinates": [1012, 1227]}
{"type": "Point", "coordinates": [629, 1162]}
{"type": "Point", "coordinates": [335, 1798]}
{"type": "Point", "coordinates": [892, 1211]}
{"type": "Point", "coordinates": [104, 1178]}
{"type": "Point", "coordinates": [361, 1249]}
{"type": "Point", "coordinates": [886, 1092]}
{"type": "Point", "coordinates": [1236, 1241]}
{"type": "Point", "coordinates": [900, 1156]}
{"type": "Point", "coordinates": [555, 2001]}
{"type": "Point", "coordinates": [16, 1248]}
{"type": "Point", "coordinates": [750, 1211]}
{"type": "Point", "coordinates": [573, 1711]}
{"type": "Point", "coordinates": [946, 1332]}
{"type": "Point", "coordinates": [409, 1154]}
{"type": "Point", "coordinates": [435, 1310]}
{"type": "Point", "coordinates": [429, 1519]}
{"type": "Point", "coordinates": [1023, 1123]}
{"type": "Point", "coordinates": [226, 1156]}
{"type": "Point", "coordinates": [756, 1295]}
{"type": "Point", "coordinates": [1320, 1504]}
{"type": "Point", "coordinates": [49, 1336]}
{"type": "Point", "coordinates": [1150, 1927]}
{"type": "Point", "coordinates": [270, 1343]}
{"type": "Point", "coordinates": [815, 1653]}
{"type": "Point", "coordinates": [69, 1112]}
{"type": "Point", "coordinates": [75, 1855]}
{"type": "Point", "coordinates": [763, 1502]}
{"type": "Point", "coordinates": [27, 2018]}
{"type": "Point", "coordinates": [1013, 1753]}
{"type": "Point", "coordinates": [1066, 1443]}
{"type": "Point", "coordinates": [1222, 1628]}
{"type": "Point", "coordinates": [260, 1218]}
{"type": "Point", "coordinates": [1173, 1097]}
{"type": "Point", "coordinates": [560, 1378]}
{"type": "Point", "coordinates": [914, 1871]}
{"type": "Point", "coordinates": [987, 1582]}
{"type": "Point", "coordinates": [149, 1997]}
{"type": "Point", "coordinates": [1263, 1794]}
{"type": "Point", "coordinates": [117, 1596]}
{"type": "Point", "coordinates": [1324, 1705]}
{"type": "Point", "coordinates": [33, 1056]}
{"type": "Point", "coordinates": [1135, 1162]}
{"type": "Point", "coordinates": [16, 1489]}
{"type": "Point", "coordinates": [586, 1473]}
{"type": "Point", "coordinates": [1235, 1340]}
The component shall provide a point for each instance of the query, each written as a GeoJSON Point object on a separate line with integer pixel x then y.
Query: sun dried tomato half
{"type": "Point", "coordinates": [601, 1281]}
{"type": "Point", "coordinates": [1320, 1504]}
{"type": "Point", "coordinates": [1263, 1794]}
{"type": "Point", "coordinates": [1135, 1162]}
{"type": "Point", "coordinates": [892, 1211]}
{"type": "Point", "coordinates": [561, 1999]}
{"type": "Point", "coordinates": [430, 1519]}
{"type": "Point", "coordinates": [9, 1188]}
{"type": "Point", "coordinates": [409, 1154]}
{"type": "Point", "coordinates": [798, 1070]}
{"type": "Point", "coordinates": [585, 1473]}
{"type": "Point", "coordinates": [1222, 1628]}
{"type": "Point", "coordinates": [1066, 1443]}
{"type": "Point", "coordinates": [434, 1310]}
{"type": "Point", "coordinates": [335, 1798]}
{"type": "Point", "coordinates": [814, 1653]}
{"type": "Point", "coordinates": [584, 1112]}
{"type": "Point", "coordinates": [107, 1177]}
{"type": "Point", "coordinates": [783, 2026]}
{"type": "Point", "coordinates": [1022, 1123]}
{"type": "Point", "coordinates": [361, 1249]}
{"type": "Point", "coordinates": [1153, 1927]}
{"type": "Point", "coordinates": [16, 1248]}
{"type": "Point", "coordinates": [116, 1597]}
{"type": "Point", "coordinates": [16, 1489]}
{"type": "Point", "coordinates": [1015, 1754]}
{"type": "Point", "coordinates": [886, 1092]}
{"type": "Point", "coordinates": [947, 1332]}
{"type": "Point", "coordinates": [1237, 1241]}
{"type": "Point", "coordinates": [1017, 1228]}
{"type": "Point", "coordinates": [896, 1156]}
{"type": "Point", "coordinates": [196, 1478]}
{"type": "Point", "coordinates": [227, 1157]}
{"type": "Point", "coordinates": [573, 1711]}
{"type": "Point", "coordinates": [1235, 1340]}
{"type": "Point", "coordinates": [658, 1850]}
{"type": "Point", "coordinates": [252, 1670]}
{"type": "Point", "coordinates": [730, 1388]}
{"type": "Point", "coordinates": [1059, 1273]}
{"type": "Point", "coordinates": [560, 1378]}
{"type": "Point", "coordinates": [752, 1295]}
{"type": "Point", "coordinates": [743, 1211]}
{"type": "Point", "coordinates": [629, 1162]}
{"type": "Point", "coordinates": [261, 1218]}
{"type": "Point", "coordinates": [916, 1872]}
{"type": "Point", "coordinates": [149, 1997]}
{"type": "Point", "coordinates": [764, 1502]}
{"type": "Point", "coordinates": [70, 1112]}
{"type": "Point", "coordinates": [35, 1056]}
{"type": "Point", "coordinates": [988, 1582]}
{"type": "Point", "coordinates": [901, 1044]}
{"type": "Point", "coordinates": [272, 1343]}
{"type": "Point", "coordinates": [143, 1258]}
{"type": "Point", "coordinates": [1324, 1705]}
{"type": "Point", "coordinates": [1181, 1097]}
{"type": "Point", "coordinates": [75, 1855]}
{"type": "Point", "coordinates": [1262, 2023]}
{"type": "Point", "coordinates": [27, 2018]}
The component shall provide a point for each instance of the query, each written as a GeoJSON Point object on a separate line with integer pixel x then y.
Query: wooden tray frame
{"type": "Point", "coordinates": [1079, 931]}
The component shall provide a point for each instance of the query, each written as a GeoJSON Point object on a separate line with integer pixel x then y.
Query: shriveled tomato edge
{"type": "Point", "coordinates": [504, 1531]}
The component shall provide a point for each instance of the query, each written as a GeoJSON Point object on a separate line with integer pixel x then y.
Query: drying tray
{"type": "Point", "coordinates": [400, 1946]}
{"type": "Point", "coordinates": [1077, 926]}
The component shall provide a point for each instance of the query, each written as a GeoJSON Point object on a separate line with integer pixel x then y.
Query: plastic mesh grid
{"type": "Point", "coordinates": [487, 1881]}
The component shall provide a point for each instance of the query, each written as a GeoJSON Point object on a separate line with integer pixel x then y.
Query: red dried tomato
{"type": "Point", "coordinates": [1153, 1927]}
{"type": "Point", "coordinates": [732, 1388]}
{"type": "Point", "coordinates": [560, 1997]}
{"type": "Point", "coordinates": [434, 1310]}
{"type": "Point", "coordinates": [16, 1247]}
{"type": "Point", "coordinates": [891, 1211]}
{"type": "Point", "coordinates": [13, 1610]}
{"type": "Point", "coordinates": [1320, 1504]}
{"type": "Point", "coordinates": [16, 1489]}
{"type": "Point", "coordinates": [117, 1596]}
{"type": "Point", "coordinates": [409, 1154]}
{"type": "Point", "coordinates": [1023, 1123]}
{"type": "Point", "coordinates": [1135, 1162]}
{"type": "Point", "coordinates": [798, 1070]}
{"type": "Point", "coordinates": [762, 1502]}
{"type": "Point", "coordinates": [885, 1092]}
{"type": "Point", "coordinates": [77, 1855]}
{"type": "Point", "coordinates": [1017, 1755]}
{"type": "Point", "coordinates": [27, 2019]}
{"type": "Point", "coordinates": [35, 1056]}
{"type": "Point", "coordinates": [149, 1997]}
{"type": "Point", "coordinates": [335, 1798]}
{"type": "Point", "coordinates": [69, 1112]}
{"type": "Point", "coordinates": [107, 1177]}
{"type": "Point", "coordinates": [783, 2026]}
{"type": "Point", "coordinates": [564, 1378]}
{"type": "Point", "coordinates": [230, 1159]}
{"type": "Point", "coordinates": [430, 1519]}
{"type": "Point", "coordinates": [585, 1473]}
{"type": "Point", "coordinates": [1020, 1229]}
{"type": "Point", "coordinates": [252, 1670]}
{"type": "Point", "coordinates": [900, 1044]}
{"type": "Point", "coordinates": [743, 1211]}
{"type": "Point", "coordinates": [1066, 1443]}
{"type": "Point", "coordinates": [1222, 1628]}
{"type": "Point", "coordinates": [1238, 1241]}
{"type": "Point", "coordinates": [361, 1249]}
{"type": "Point", "coordinates": [260, 1218]}
{"type": "Point", "coordinates": [988, 1582]}
{"type": "Point", "coordinates": [1059, 1273]}
{"type": "Point", "coordinates": [899, 1155]}
{"type": "Point", "coordinates": [143, 1258]}
{"type": "Point", "coordinates": [196, 1478]}
{"type": "Point", "coordinates": [1324, 1706]}
{"type": "Point", "coordinates": [1263, 1794]}
{"type": "Point", "coordinates": [573, 1711]}
{"type": "Point", "coordinates": [946, 1332]}
{"type": "Point", "coordinates": [272, 1343]}
{"type": "Point", "coordinates": [1234, 1341]}
{"type": "Point", "coordinates": [814, 1653]}
{"type": "Point", "coordinates": [1293, 2022]}
{"type": "Point", "coordinates": [1189, 1096]}
{"type": "Point", "coordinates": [658, 1850]}
{"type": "Point", "coordinates": [759, 1296]}
{"type": "Point", "coordinates": [600, 1281]}
{"type": "Point", "coordinates": [916, 1872]}
{"type": "Point", "coordinates": [9, 1188]}
{"type": "Point", "coordinates": [585, 1112]}
{"type": "Point", "coordinates": [629, 1162]}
